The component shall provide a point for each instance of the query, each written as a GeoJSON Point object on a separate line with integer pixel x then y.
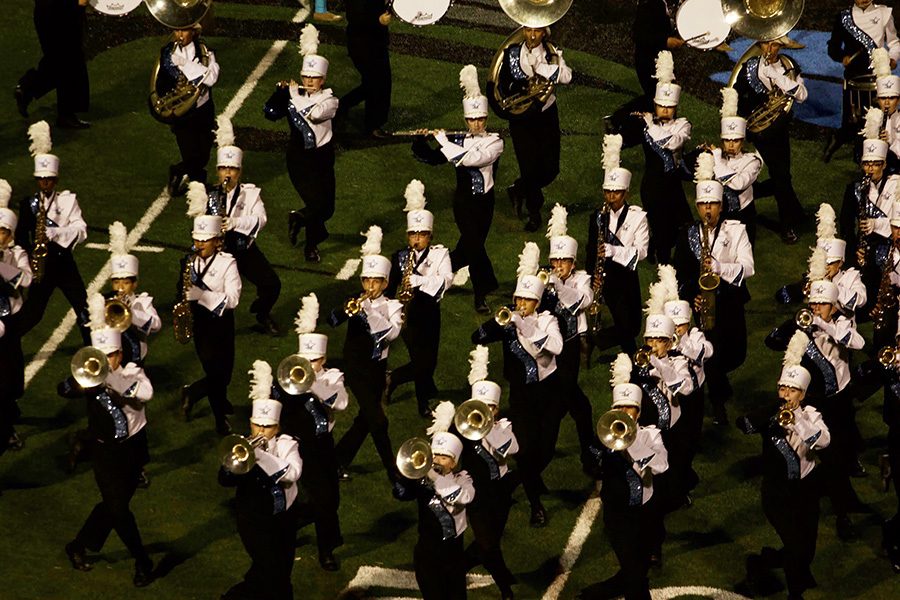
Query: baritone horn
{"type": "Point", "coordinates": [236, 452]}
{"type": "Point", "coordinates": [414, 458]}
{"type": "Point", "coordinates": [296, 375]}
{"type": "Point", "coordinates": [616, 430]}
{"type": "Point", "coordinates": [89, 367]}
{"type": "Point", "coordinates": [117, 314]}
{"type": "Point", "coordinates": [473, 419]}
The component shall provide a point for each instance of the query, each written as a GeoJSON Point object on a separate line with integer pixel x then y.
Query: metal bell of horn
{"type": "Point", "coordinates": [414, 458]}
{"type": "Point", "coordinates": [535, 13]}
{"type": "Point", "coordinates": [178, 14]}
{"type": "Point", "coordinates": [236, 452]}
{"type": "Point", "coordinates": [295, 375]}
{"type": "Point", "coordinates": [616, 430]}
{"type": "Point", "coordinates": [90, 367]}
{"type": "Point", "coordinates": [473, 419]}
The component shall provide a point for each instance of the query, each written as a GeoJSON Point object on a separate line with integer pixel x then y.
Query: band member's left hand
{"type": "Point", "coordinates": [385, 18]}
{"type": "Point", "coordinates": [698, 303]}
{"type": "Point", "coordinates": [194, 293]}
{"type": "Point", "coordinates": [866, 226]}
{"type": "Point", "coordinates": [227, 224]}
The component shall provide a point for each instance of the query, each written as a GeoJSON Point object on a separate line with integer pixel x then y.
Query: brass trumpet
{"type": "Point", "coordinates": [804, 318]}
{"type": "Point", "coordinates": [887, 356]}
{"type": "Point", "coordinates": [642, 357]}
{"type": "Point", "coordinates": [473, 419]}
{"type": "Point", "coordinates": [236, 452]}
{"type": "Point", "coordinates": [785, 416]}
{"type": "Point", "coordinates": [89, 367]}
{"type": "Point", "coordinates": [616, 429]}
{"type": "Point", "coordinates": [117, 313]}
{"type": "Point", "coordinates": [354, 305]}
{"type": "Point", "coordinates": [414, 458]}
{"type": "Point", "coordinates": [296, 375]}
{"type": "Point", "coordinates": [503, 316]}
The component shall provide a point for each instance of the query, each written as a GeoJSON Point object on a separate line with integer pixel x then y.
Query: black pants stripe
{"type": "Point", "coordinates": [194, 136]}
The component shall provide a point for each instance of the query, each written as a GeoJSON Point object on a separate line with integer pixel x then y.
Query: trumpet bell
{"type": "Point", "coordinates": [535, 13]}
{"type": "Point", "coordinates": [414, 459]}
{"type": "Point", "coordinates": [616, 430]}
{"type": "Point", "coordinates": [236, 453]}
{"type": "Point", "coordinates": [177, 14]}
{"type": "Point", "coordinates": [473, 419]}
{"type": "Point", "coordinates": [90, 367]}
{"type": "Point", "coordinates": [503, 316]}
{"type": "Point", "coordinates": [117, 314]}
{"type": "Point", "coordinates": [762, 20]}
{"type": "Point", "coordinates": [803, 318]}
{"type": "Point", "coordinates": [295, 375]}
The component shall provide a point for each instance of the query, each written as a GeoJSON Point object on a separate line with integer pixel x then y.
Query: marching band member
{"type": "Point", "coordinates": [50, 226]}
{"type": "Point", "coordinates": [568, 295]}
{"type": "Point", "coordinates": [719, 249]}
{"type": "Point", "coordinates": [214, 292]}
{"type": "Point", "coordinates": [630, 514]}
{"type": "Point", "coordinates": [309, 108]}
{"type": "Point", "coordinates": [758, 78]}
{"type": "Point", "coordinates": [264, 498]}
{"type": "Point", "coordinates": [243, 218]}
{"type": "Point", "coordinates": [117, 423]}
{"type": "Point", "coordinates": [422, 271]}
{"type": "Point", "coordinates": [368, 45]}
{"type": "Point", "coordinates": [531, 342]}
{"type": "Point", "coordinates": [887, 91]}
{"type": "Point", "coordinates": [187, 57]}
{"type": "Point", "coordinates": [309, 418]}
{"type": "Point", "coordinates": [475, 156]}
{"type": "Point", "coordinates": [373, 322]}
{"type": "Point", "coordinates": [486, 461]}
{"type": "Point", "coordinates": [857, 32]}
{"type": "Point", "coordinates": [890, 375]}
{"type": "Point", "coordinates": [618, 236]}
{"type": "Point", "coordinates": [790, 497]}
{"type": "Point", "coordinates": [535, 133]}
{"type": "Point", "coordinates": [442, 496]}
{"type": "Point", "coordinates": [15, 276]}
{"type": "Point", "coordinates": [662, 135]}
{"type": "Point", "coordinates": [653, 31]}
{"type": "Point", "coordinates": [827, 358]}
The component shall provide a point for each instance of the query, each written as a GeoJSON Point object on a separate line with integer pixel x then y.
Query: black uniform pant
{"type": "Point", "coordinates": [440, 568]}
{"type": "Point", "coordinates": [366, 381]}
{"type": "Point", "coordinates": [622, 295]}
{"type": "Point", "coordinates": [662, 196]}
{"type": "Point", "coordinates": [371, 57]}
{"type": "Point", "coordinates": [473, 215]}
{"type": "Point", "coordinates": [628, 532]}
{"type": "Point", "coordinates": [117, 466]}
{"type": "Point", "coordinates": [487, 518]}
{"type": "Point", "coordinates": [792, 507]}
{"type": "Point", "coordinates": [194, 136]}
{"type": "Point", "coordinates": [839, 458]}
{"type": "Point", "coordinates": [60, 271]}
{"type": "Point", "coordinates": [319, 480]}
{"type": "Point", "coordinates": [535, 411]}
{"type": "Point", "coordinates": [63, 66]}
{"type": "Point", "coordinates": [214, 343]}
{"type": "Point", "coordinates": [312, 175]}
{"type": "Point", "coordinates": [422, 336]}
{"type": "Point", "coordinates": [892, 525]}
{"type": "Point", "coordinates": [254, 266]}
{"type": "Point", "coordinates": [577, 404]}
{"type": "Point", "coordinates": [269, 541]}
{"type": "Point", "coordinates": [776, 153]}
{"type": "Point", "coordinates": [672, 485]}
{"type": "Point", "coordinates": [692, 421]}
{"type": "Point", "coordinates": [536, 140]}
{"type": "Point", "coordinates": [12, 379]}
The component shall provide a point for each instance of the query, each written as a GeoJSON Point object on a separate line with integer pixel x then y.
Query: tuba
{"type": "Point", "coordinates": [414, 458]}
{"type": "Point", "coordinates": [473, 419]}
{"type": "Point", "coordinates": [236, 452]}
{"type": "Point", "coordinates": [89, 367]}
{"type": "Point", "coordinates": [616, 430]}
{"type": "Point", "coordinates": [177, 14]}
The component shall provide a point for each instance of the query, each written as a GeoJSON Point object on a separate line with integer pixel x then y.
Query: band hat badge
{"type": "Point", "coordinates": [659, 326]}
{"type": "Point", "coordinates": [45, 164]}
{"type": "Point", "coordinates": [314, 65]}
{"type": "Point", "coordinates": [475, 104]}
{"type": "Point", "coordinates": [834, 249]}
{"type": "Point", "coordinates": [445, 443]}
{"type": "Point", "coordinates": [626, 395]}
{"type": "Point", "coordinates": [108, 340]}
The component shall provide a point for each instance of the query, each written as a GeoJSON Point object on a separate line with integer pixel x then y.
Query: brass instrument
{"type": "Point", "coordinates": [354, 305]}
{"type": "Point", "coordinates": [473, 419]}
{"type": "Point", "coordinates": [887, 356]}
{"type": "Point", "coordinates": [405, 293]}
{"type": "Point", "coordinates": [426, 132]}
{"type": "Point", "coordinates": [862, 245]}
{"type": "Point", "coordinates": [414, 458]}
{"type": "Point", "coordinates": [642, 357]}
{"type": "Point", "coordinates": [178, 14]}
{"type": "Point", "coordinates": [89, 367]}
{"type": "Point", "coordinates": [785, 416]}
{"type": "Point", "coordinates": [236, 452]}
{"type": "Point", "coordinates": [39, 252]}
{"type": "Point", "coordinates": [178, 101]}
{"type": "Point", "coordinates": [295, 375]}
{"type": "Point", "coordinates": [597, 280]}
{"type": "Point", "coordinates": [182, 317]}
{"type": "Point", "coordinates": [544, 276]}
{"type": "Point", "coordinates": [708, 281]}
{"type": "Point", "coordinates": [530, 95]}
{"type": "Point", "coordinates": [616, 429]}
{"type": "Point", "coordinates": [503, 317]}
{"type": "Point", "coordinates": [762, 19]}
{"type": "Point", "coordinates": [535, 13]}
{"type": "Point", "coordinates": [804, 318]}
{"type": "Point", "coordinates": [886, 300]}
{"type": "Point", "coordinates": [117, 313]}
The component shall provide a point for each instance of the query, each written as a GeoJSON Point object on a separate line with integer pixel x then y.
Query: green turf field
{"type": "Point", "coordinates": [118, 168]}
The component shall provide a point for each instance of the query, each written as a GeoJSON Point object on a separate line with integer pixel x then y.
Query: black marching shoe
{"type": "Point", "coordinates": [265, 324]}
{"type": "Point", "coordinates": [71, 122]}
{"type": "Point", "coordinates": [789, 236]}
{"type": "Point", "coordinates": [223, 427]}
{"type": "Point", "coordinates": [178, 185]}
{"type": "Point", "coordinates": [77, 557]}
{"type": "Point", "coordinates": [187, 403]}
{"type": "Point", "coordinates": [143, 480]}
{"type": "Point", "coordinates": [481, 306]}
{"type": "Point", "coordinates": [857, 470]}
{"type": "Point", "coordinates": [328, 562]}
{"type": "Point", "coordinates": [343, 474]}
{"type": "Point", "coordinates": [539, 516]}
{"type": "Point", "coordinates": [515, 199]}
{"type": "Point", "coordinates": [15, 442]}
{"type": "Point", "coordinates": [534, 222]}
{"type": "Point", "coordinates": [143, 575]}
{"type": "Point", "coordinates": [311, 254]}
{"type": "Point", "coordinates": [296, 221]}
{"type": "Point", "coordinates": [22, 100]}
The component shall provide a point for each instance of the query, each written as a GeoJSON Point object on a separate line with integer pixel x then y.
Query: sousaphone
{"type": "Point", "coordinates": [177, 14]}
{"type": "Point", "coordinates": [762, 20]}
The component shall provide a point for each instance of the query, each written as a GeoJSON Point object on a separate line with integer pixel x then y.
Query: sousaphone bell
{"type": "Point", "coordinates": [295, 375]}
{"type": "Point", "coordinates": [177, 14]}
{"type": "Point", "coordinates": [414, 458]}
{"type": "Point", "coordinates": [89, 367]}
{"type": "Point", "coordinates": [473, 419]}
{"type": "Point", "coordinates": [762, 19]}
{"type": "Point", "coordinates": [535, 13]}
{"type": "Point", "coordinates": [616, 430]}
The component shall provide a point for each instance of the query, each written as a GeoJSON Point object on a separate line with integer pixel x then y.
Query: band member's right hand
{"type": "Point", "coordinates": [860, 255]}
{"type": "Point", "coordinates": [673, 43]}
{"type": "Point", "coordinates": [866, 226]}
{"type": "Point", "coordinates": [609, 250]}
{"type": "Point", "coordinates": [385, 18]}
{"type": "Point", "coordinates": [193, 293]}
{"type": "Point", "coordinates": [698, 303]}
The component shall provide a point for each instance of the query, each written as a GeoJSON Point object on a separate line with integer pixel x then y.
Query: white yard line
{"type": "Point", "coordinates": [138, 248]}
{"type": "Point", "coordinates": [134, 236]}
{"type": "Point", "coordinates": [573, 547]}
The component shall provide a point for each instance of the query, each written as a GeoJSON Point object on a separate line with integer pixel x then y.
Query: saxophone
{"type": "Point", "coordinates": [405, 293]}
{"type": "Point", "coordinates": [708, 281]}
{"type": "Point", "coordinates": [863, 243]}
{"type": "Point", "coordinates": [886, 300]}
{"type": "Point", "coordinates": [593, 310]}
{"type": "Point", "coordinates": [39, 252]}
{"type": "Point", "coordinates": [182, 318]}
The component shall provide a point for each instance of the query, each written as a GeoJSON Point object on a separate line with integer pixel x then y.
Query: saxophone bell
{"type": "Point", "coordinates": [887, 356]}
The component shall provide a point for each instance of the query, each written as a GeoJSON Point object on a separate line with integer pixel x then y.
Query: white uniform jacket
{"type": "Point", "coordinates": [329, 389]}
{"type": "Point", "coordinates": [130, 381]}
{"type": "Point", "coordinates": [732, 254]}
{"type": "Point", "coordinates": [434, 274]}
{"type": "Point", "coordinates": [280, 460]}
{"type": "Point", "coordinates": [217, 283]}
{"type": "Point", "coordinates": [454, 492]}
{"type": "Point", "coordinates": [501, 443]}
{"type": "Point", "coordinates": [807, 434]}
{"type": "Point", "coordinates": [629, 228]}
{"type": "Point", "coordinates": [187, 61]}
{"type": "Point", "coordinates": [697, 349]}
{"type": "Point", "coordinates": [385, 320]}
{"type": "Point", "coordinates": [649, 457]}
{"type": "Point", "coordinates": [315, 111]}
{"type": "Point", "coordinates": [476, 153]}
{"type": "Point", "coordinates": [65, 225]}
{"type": "Point", "coordinates": [15, 270]}
{"type": "Point", "coordinates": [574, 295]}
{"type": "Point", "coordinates": [737, 174]}
{"type": "Point", "coordinates": [539, 335]}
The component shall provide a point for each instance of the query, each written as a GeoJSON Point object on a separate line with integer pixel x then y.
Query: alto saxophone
{"type": "Point", "coordinates": [593, 310]}
{"type": "Point", "coordinates": [182, 317]}
{"type": "Point", "coordinates": [863, 243]}
{"type": "Point", "coordinates": [405, 293]}
{"type": "Point", "coordinates": [886, 300]}
{"type": "Point", "coordinates": [708, 280]}
{"type": "Point", "coordinates": [39, 252]}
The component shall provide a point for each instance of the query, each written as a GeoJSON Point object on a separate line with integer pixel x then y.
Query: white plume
{"type": "Point", "coordinates": [415, 195]}
{"type": "Point", "coordinates": [39, 134]}
{"type": "Point", "coordinates": [881, 62]}
{"type": "Point", "coordinates": [224, 131]}
{"type": "Point", "coordinates": [372, 245]}
{"type": "Point", "coordinates": [872, 127]}
{"type": "Point", "coordinates": [461, 277]}
{"type": "Point", "coordinates": [260, 380]}
{"type": "Point", "coordinates": [612, 150]}
{"type": "Point", "coordinates": [665, 67]}
{"type": "Point", "coordinates": [309, 40]}
{"type": "Point", "coordinates": [656, 303]}
{"type": "Point", "coordinates": [468, 81]}
{"type": "Point", "coordinates": [349, 269]}
{"type": "Point", "coordinates": [558, 224]}
{"type": "Point", "coordinates": [197, 199]}
{"type": "Point", "coordinates": [118, 236]}
{"type": "Point", "coordinates": [705, 170]}
{"type": "Point", "coordinates": [668, 279]}
{"type": "Point", "coordinates": [825, 228]}
{"type": "Point", "coordinates": [478, 364]}
{"type": "Point", "coordinates": [97, 311]}
{"type": "Point", "coordinates": [529, 260]}
{"type": "Point", "coordinates": [307, 315]}
{"type": "Point", "coordinates": [443, 417]}
{"type": "Point", "coordinates": [817, 264]}
{"type": "Point", "coordinates": [5, 193]}
{"type": "Point", "coordinates": [620, 371]}
{"type": "Point", "coordinates": [729, 102]}
{"type": "Point", "coordinates": [795, 349]}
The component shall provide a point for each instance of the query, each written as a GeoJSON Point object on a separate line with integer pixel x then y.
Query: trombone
{"type": "Point", "coordinates": [89, 367]}
{"type": "Point", "coordinates": [616, 430]}
{"type": "Point", "coordinates": [236, 452]}
{"type": "Point", "coordinates": [473, 419]}
{"type": "Point", "coordinates": [295, 375]}
{"type": "Point", "coordinates": [414, 458]}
